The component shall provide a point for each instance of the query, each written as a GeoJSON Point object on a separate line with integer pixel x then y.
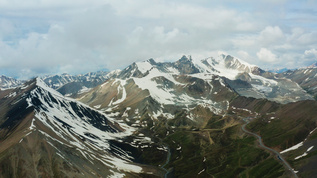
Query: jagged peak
{"type": "Point", "coordinates": [185, 58]}
{"type": "Point", "coordinates": [186, 65]}
{"type": "Point", "coordinates": [152, 61]}
{"type": "Point", "coordinates": [222, 55]}
{"type": "Point", "coordinates": [314, 65]}
{"type": "Point", "coordinates": [11, 78]}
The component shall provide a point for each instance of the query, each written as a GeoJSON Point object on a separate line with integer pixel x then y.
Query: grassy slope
{"type": "Point", "coordinates": [214, 151]}
{"type": "Point", "coordinates": [229, 154]}
{"type": "Point", "coordinates": [292, 125]}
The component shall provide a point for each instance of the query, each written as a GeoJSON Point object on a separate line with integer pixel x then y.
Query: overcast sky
{"type": "Point", "coordinates": [76, 36]}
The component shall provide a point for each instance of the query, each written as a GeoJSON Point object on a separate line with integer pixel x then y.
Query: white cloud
{"type": "Point", "coordinates": [266, 55]}
{"type": "Point", "coordinates": [271, 35]}
{"type": "Point", "coordinates": [308, 38]}
{"type": "Point", "coordinates": [244, 55]}
{"type": "Point", "coordinates": [310, 55]}
{"type": "Point", "coordinates": [310, 52]}
{"type": "Point", "coordinates": [49, 36]}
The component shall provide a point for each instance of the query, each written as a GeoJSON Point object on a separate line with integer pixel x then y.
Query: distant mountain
{"type": "Point", "coordinates": [44, 134]}
{"type": "Point", "coordinates": [151, 90]}
{"type": "Point", "coordinates": [57, 81]}
{"type": "Point", "coordinates": [305, 77]}
{"type": "Point", "coordinates": [162, 88]}
{"type": "Point", "coordinates": [279, 70]}
{"type": "Point", "coordinates": [9, 82]}
{"type": "Point", "coordinates": [73, 85]}
{"type": "Point", "coordinates": [314, 65]}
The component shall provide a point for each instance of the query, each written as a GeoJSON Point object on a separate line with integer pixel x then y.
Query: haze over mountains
{"type": "Point", "coordinates": [178, 119]}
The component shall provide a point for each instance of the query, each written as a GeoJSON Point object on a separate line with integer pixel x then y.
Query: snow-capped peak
{"type": "Point", "coordinates": [145, 66]}
{"type": "Point", "coordinates": [224, 65]}
{"type": "Point", "coordinates": [42, 84]}
{"type": "Point", "coordinates": [114, 72]}
{"type": "Point", "coordinates": [235, 63]}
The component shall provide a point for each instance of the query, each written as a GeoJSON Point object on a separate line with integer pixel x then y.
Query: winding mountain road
{"type": "Point", "coordinates": [261, 144]}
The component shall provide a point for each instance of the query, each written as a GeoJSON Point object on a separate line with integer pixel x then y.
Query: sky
{"type": "Point", "coordinates": [39, 37]}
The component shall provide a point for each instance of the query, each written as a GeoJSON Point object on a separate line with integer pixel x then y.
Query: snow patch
{"type": "Point", "coordinates": [84, 90]}
{"type": "Point", "coordinates": [144, 66]}
{"type": "Point", "coordinates": [11, 95]}
{"type": "Point", "coordinates": [304, 154]}
{"type": "Point", "coordinates": [32, 127]}
{"type": "Point", "coordinates": [293, 147]}
{"type": "Point", "coordinates": [97, 106]}
{"type": "Point", "coordinates": [116, 175]}
{"type": "Point", "coordinates": [262, 88]}
{"type": "Point", "coordinates": [123, 92]}
{"type": "Point", "coordinates": [125, 166]}
{"type": "Point", "coordinates": [201, 171]}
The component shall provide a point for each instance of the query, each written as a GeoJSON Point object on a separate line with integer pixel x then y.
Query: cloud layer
{"type": "Point", "coordinates": [46, 36]}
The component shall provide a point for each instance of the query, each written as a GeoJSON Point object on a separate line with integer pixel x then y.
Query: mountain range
{"type": "Point", "coordinates": [160, 119]}
{"type": "Point", "coordinates": [9, 82]}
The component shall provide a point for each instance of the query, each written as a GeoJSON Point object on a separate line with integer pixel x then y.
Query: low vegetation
{"type": "Point", "coordinates": [216, 150]}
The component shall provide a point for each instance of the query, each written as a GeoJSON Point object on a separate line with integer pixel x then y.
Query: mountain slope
{"type": "Point", "coordinates": [290, 129]}
{"type": "Point", "coordinates": [305, 77]}
{"type": "Point", "coordinates": [45, 134]}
